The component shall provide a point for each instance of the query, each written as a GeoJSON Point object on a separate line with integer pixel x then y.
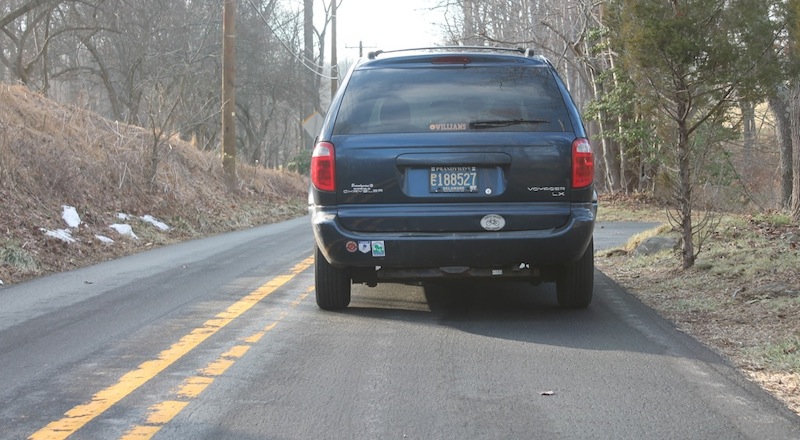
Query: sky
{"type": "Point", "coordinates": [386, 25]}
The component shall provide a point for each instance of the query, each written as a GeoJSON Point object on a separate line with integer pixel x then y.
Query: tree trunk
{"type": "Point", "coordinates": [469, 34]}
{"type": "Point", "coordinates": [783, 128]}
{"type": "Point", "coordinates": [794, 112]}
{"type": "Point", "coordinates": [748, 130]}
{"type": "Point", "coordinates": [607, 150]}
{"type": "Point", "coordinates": [105, 77]}
{"type": "Point", "coordinates": [684, 191]}
{"type": "Point", "coordinates": [622, 149]}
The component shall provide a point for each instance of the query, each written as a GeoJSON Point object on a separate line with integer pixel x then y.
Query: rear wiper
{"type": "Point", "coordinates": [504, 123]}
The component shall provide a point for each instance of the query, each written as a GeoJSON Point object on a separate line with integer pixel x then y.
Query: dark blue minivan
{"type": "Point", "coordinates": [453, 162]}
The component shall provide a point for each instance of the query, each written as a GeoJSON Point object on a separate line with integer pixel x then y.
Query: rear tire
{"type": "Point", "coordinates": [332, 284]}
{"type": "Point", "coordinates": [575, 284]}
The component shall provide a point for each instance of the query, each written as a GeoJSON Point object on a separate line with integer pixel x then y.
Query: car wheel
{"type": "Point", "coordinates": [332, 284]}
{"type": "Point", "coordinates": [575, 284]}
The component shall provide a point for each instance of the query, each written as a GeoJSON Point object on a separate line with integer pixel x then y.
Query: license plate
{"type": "Point", "coordinates": [462, 179]}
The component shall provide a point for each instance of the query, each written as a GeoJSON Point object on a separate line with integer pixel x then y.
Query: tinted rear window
{"type": "Point", "coordinates": [414, 100]}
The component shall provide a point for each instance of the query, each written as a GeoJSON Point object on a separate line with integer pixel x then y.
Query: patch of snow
{"type": "Point", "coordinates": [104, 239]}
{"type": "Point", "coordinates": [124, 230]}
{"type": "Point", "coordinates": [61, 234]}
{"type": "Point", "coordinates": [70, 216]}
{"type": "Point", "coordinates": [73, 220]}
{"type": "Point", "coordinates": [155, 222]}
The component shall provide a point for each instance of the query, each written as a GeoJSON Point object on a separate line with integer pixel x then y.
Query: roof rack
{"type": "Point", "coordinates": [522, 50]}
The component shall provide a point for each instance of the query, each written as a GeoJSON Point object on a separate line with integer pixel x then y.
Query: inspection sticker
{"type": "Point", "coordinates": [378, 249]}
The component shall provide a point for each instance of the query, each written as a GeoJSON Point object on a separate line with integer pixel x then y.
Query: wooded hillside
{"type": "Point", "coordinates": [53, 155]}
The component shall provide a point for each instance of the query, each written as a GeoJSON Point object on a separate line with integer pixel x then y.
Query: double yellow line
{"type": "Point", "coordinates": [80, 415]}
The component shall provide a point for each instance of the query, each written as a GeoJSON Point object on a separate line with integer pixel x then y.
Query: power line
{"type": "Point", "coordinates": [313, 68]}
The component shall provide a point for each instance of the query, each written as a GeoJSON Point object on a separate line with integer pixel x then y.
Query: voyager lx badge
{"type": "Point", "coordinates": [555, 191]}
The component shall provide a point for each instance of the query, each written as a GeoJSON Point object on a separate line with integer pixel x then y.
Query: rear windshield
{"type": "Point", "coordinates": [415, 100]}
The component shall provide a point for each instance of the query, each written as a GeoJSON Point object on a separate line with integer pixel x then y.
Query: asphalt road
{"type": "Point", "coordinates": [221, 339]}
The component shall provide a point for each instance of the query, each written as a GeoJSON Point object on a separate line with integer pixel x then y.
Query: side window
{"type": "Point", "coordinates": [354, 117]}
{"type": "Point", "coordinates": [394, 115]}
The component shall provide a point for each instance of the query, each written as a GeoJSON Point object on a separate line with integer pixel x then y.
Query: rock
{"type": "Point", "coordinates": [654, 245]}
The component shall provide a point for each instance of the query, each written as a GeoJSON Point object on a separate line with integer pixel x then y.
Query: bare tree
{"type": "Point", "coordinates": [157, 64]}
{"type": "Point", "coordinates": [28, 31]}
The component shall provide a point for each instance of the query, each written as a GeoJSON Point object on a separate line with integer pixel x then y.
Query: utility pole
{"type": "Point", "coordinates": [308, 108]}
{"type": "Point", "coordinates": [361, 48]}
{"type": "Point", "coordinates": [229, 93]}
{"type": "Point", "coordinates": [334, 61]}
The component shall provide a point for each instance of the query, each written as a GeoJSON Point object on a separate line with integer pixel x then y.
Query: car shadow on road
{"type": "Point", "coordinates": [519, 311]}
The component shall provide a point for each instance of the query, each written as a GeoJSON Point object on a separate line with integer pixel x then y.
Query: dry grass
{"type": "Point", "coordinates": [742, 297]}
{"type": "Point", "coordinates": [633, 207]}
{"type": "Point", "coordinates": [52, 155]}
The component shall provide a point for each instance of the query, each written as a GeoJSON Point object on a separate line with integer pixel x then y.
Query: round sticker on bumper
{"type": "Point", "coordinates": [493, 222]}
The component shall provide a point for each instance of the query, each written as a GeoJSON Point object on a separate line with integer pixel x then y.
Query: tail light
{"type": "Point", "coordinates": [452, 60]}
{"type": "Point", "coordinates": [323, 167]}
{"type": "Point", "coordinates": [582, 163]}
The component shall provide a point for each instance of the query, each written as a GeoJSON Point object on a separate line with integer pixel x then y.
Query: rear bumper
{"type": "Point", "coordinates": [412, 250]}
